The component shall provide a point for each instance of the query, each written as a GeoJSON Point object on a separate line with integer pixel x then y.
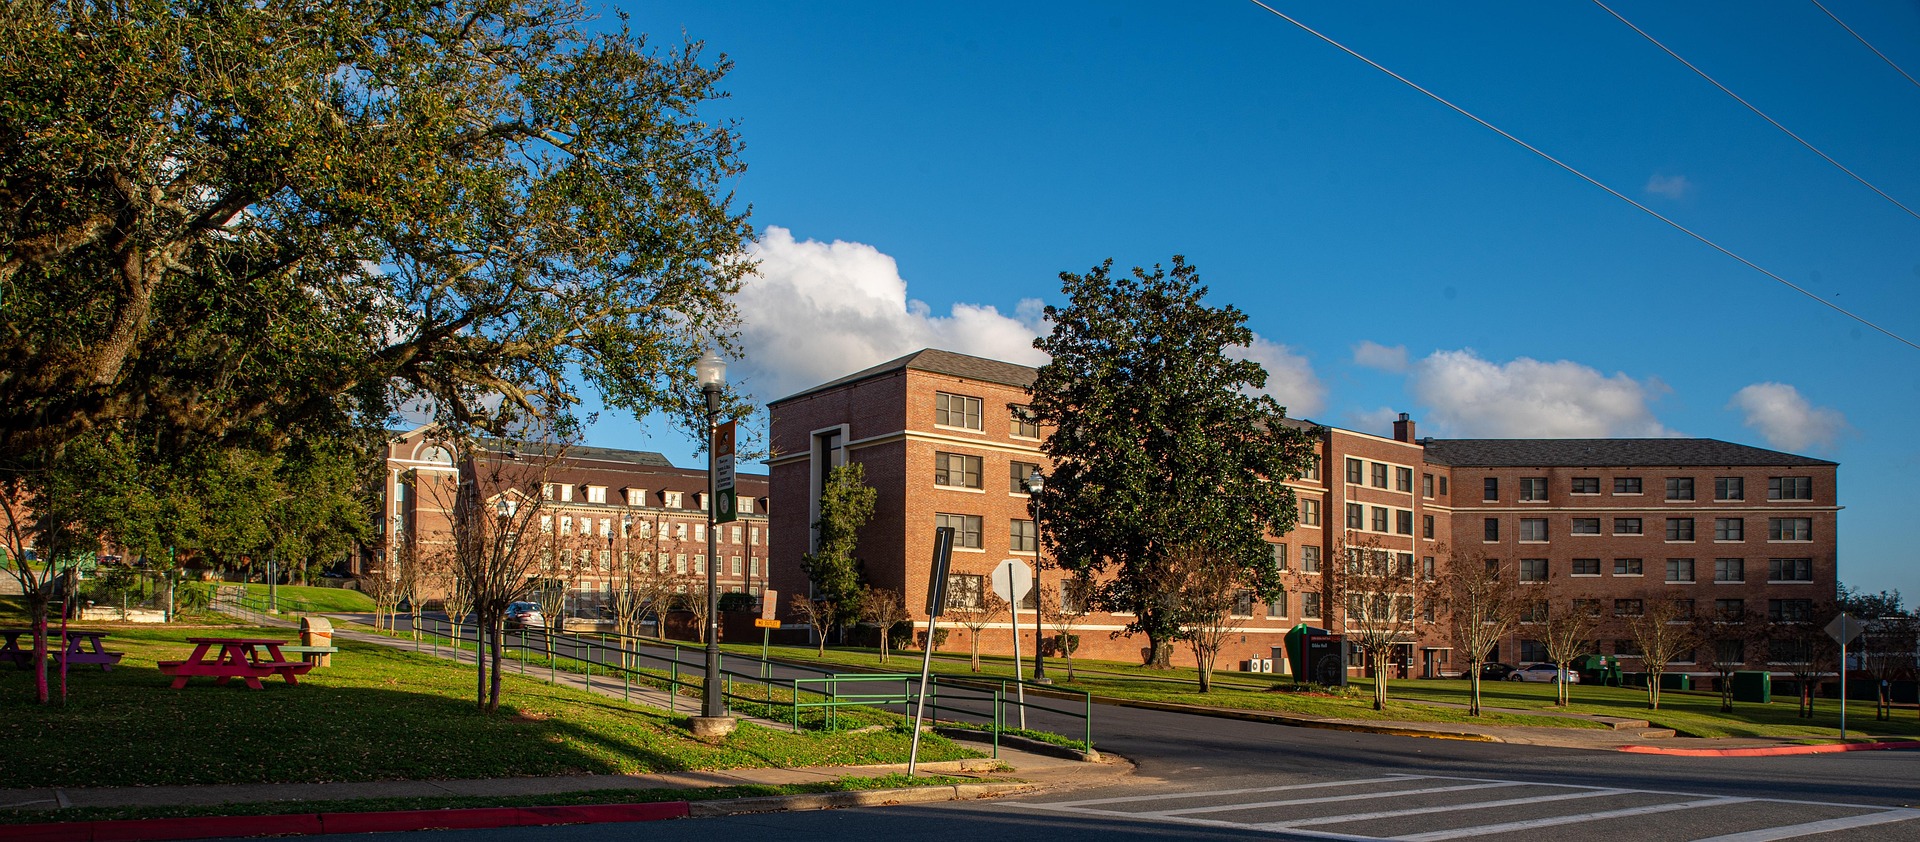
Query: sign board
{"type": "Point", "coordinates": [937, 571]}
{"type": "Point", "coordinates": [764, 623]}
{"type": "Point", "coordinates": [769, 604]}
{"type": "Point", "coordinates": [1845, 628]}
{"type": "Point", "coordinates": [1012, 579]}
{"type": "Point", "coordinates": [725, 508]}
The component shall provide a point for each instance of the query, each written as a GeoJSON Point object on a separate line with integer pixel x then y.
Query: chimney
{"type": "Point", "coordinates": [1403, 429]}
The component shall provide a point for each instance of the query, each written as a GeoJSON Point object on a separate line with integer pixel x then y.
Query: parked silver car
{"type": "Point", "coordinates": [1543, 673]}
{"type": "Point", "coordinates": [525, 615]}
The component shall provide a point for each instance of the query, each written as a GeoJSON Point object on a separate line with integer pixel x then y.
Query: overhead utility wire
{"type": "Point", "coordinates": [1750, 107]}
{"type": "Point", "coordinates": [1589, 179]}
{"type": "Point", "coordinates": [1863, 42]}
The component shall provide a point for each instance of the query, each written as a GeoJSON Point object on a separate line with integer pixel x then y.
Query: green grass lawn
{"type": "Point", "coordinates": [309, 599]}
{"type": "Point", "coordinates": [375, 714]}
{"type": "Point", "coordinates": [1690, 713]}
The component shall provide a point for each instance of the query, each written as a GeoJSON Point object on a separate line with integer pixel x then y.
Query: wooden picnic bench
{"type": "Point", "coordinates": [246, 658]}
{"type": "Point", "coordinates": [77, 646]}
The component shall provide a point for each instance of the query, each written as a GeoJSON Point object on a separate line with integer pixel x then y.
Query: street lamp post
{"type": "Point", "coordinates": [713, 705]}
{"type": "Point", "coordinates": [1037, 482]}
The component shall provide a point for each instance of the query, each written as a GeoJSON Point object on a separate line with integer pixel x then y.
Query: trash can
{"type": "Point", "coordinates": [1753, 686]}
{"type": "Point", "coordinates": [316, 631]}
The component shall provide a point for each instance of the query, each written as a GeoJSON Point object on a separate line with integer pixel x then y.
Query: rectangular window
{"type": "Point", "coordinates": [596, 494]}
{"type": "Point", "coordinates": [1790, 488]}
{"type": "Point", "coordinates": [1679, 488]}
{"type": "Point", "coordinates": [1403, 522]}
{"type": "Point", "coordinates": [1311, 471]}
{"type": "Point", "coordinates": [1626, 649]}
{"type": "Point", "coordinates": [1379, 475]}
{"type": "Point", "coordinates": [965, 591]}
{"type": "Point", "coordinates": [745, 504]}
{"type": "Point", "coordinates": [1017, 473]}
{"type": "Point", "coordinates": [1024, 424]}
{"type": "Point", "coordinates": [1427, 570]}
{"type": "Point", "coordinates": [1729, 529]}
{"type": "Point", "coordinates": [1789, 610]}
{"type": "Point", "coordinates": [1626, 526]}
{"type": "Point", "coordinates": [1789, 529]}
{"type": "Point", "coordinates": [1426, 526]}
{"type": "Point", "coordinates": [1310, 605]}
{"type": "Point", "coordinates": [1355, 471]}
{"type": "Point", "coordinates": [1729, 488]}
{"type": "Point", "coordinates": [1729, 569]}
{"type": "Point", "coordinates": [1789, 570]}
{"type": "Point", "coordinates": [1279, 556]}
{"type": "Point", "coordinates": [1626, 485]}
{"type": "Point", "coordinates": [1533, 529]}
{"type": "Point", "coordinates": [1533, 650]}
{"type": "Point", "coordinates": [1586, 567]}
{"type": "Point", "coordinates": [1309, 513]}
{"type": "Point", "coordinates": [1626, 567]}
{"type": "Point", "coordinates": [1403, 479]}
{"type": "Point", "coordinates": [1443, 486]}
{"type": "Point", "coordinates": [1679, 529]}
{"type": "Point", "coordinates": [1309, 559]}
{"type": "Point", "coordinates": [1535, 611]}
{"type": "Point", "coordinates": [699, 532]}
{"type": "Point", "coordinates": [680, 563]}
{"type": "Point", "coordinates": [1073, 596]}
{"type": "Point", "coordinates": [738, 568]}
{"type": "Point", "coordinates": [1588, 607]}
{"type": "Point", "coordinates": [951, 410]}
{"type": "Point", "coordinates": [1730, 651]}
{"type": "Point", "coordinates": [1533, 570]}
{"type": "Point", "coordinates": [1629, 607]}
{"type": "Point", "coordinates": [1490, 530]}
{"type": "Point", "coordinates": [1022, 537]}
{"type": "Point", "coordinates": [546, 524]}
{"type": "Point", "coordinates": [956, 469]}
{"type": "Point", "coordinates": [1426, 486]}
{"type": "Point", "coordinates": [1680, 570]}
{"type": "Point", "coordinates": [1490, 489]}
{"type": "Point", "coordinates": [1277, 608]}
{"type": "Point", "coordinates": [966, 528]}
{"type": "Point", "coordinates": [1730, 609]}
{"type": "Point", "coordinates": [1243, 603]}
{"type": "Point", "coordinates": [1533, 489]}
{"type": "Point", "coordinates": [1379, 519]}
{"type": "Point", "coordinates": [1586, 485]}
{"type": "Point", "coordinates": [1356, 516]}
{"type": "Point", "coordinates": [1586, 526]}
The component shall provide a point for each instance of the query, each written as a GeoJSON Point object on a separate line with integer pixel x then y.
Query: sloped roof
{"type": "Point", "coordinates": [938, 362]}
{"type": "Point", "coordinates": [1626, 453]}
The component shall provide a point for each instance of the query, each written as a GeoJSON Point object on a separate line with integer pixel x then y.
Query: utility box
{"type": "Point", "coordinates": [317, 631]}
{"type": "Point", "coordinates": [1318, 656]}
{"type": "Point", "coordinates": [1753, 686]}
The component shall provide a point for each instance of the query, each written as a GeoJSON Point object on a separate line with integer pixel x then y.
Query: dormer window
{"type": "Point", "coordinates": [672, 499]}
{"type": "Point", "coordinates": [636, 497]}
{"type": "Point", "coordinates": [597, 494]}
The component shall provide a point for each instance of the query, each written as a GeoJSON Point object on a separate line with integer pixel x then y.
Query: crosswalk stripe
{"type": "Point", "coordinates": [1768, 834]}
{"type": "Point", "coordinates": [1509, 827]}
{"type": "Point", "coordinates": [1325, 799]}
{"type": "Point", "coordinates": [1219, 792]}
{"type": "Point", "coordinates": [1444, 808]}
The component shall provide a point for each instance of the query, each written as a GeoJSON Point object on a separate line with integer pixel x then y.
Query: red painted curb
{"type": "Point", "coordinates": [303, 824]}
{"type": "Point", "coordinates": [1769, 751]}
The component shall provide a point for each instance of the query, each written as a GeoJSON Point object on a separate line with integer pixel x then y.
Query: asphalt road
{"type": "Point", "coordinates": [1207, 778]}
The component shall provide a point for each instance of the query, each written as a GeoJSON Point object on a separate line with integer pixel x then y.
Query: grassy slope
{"type": "Point", "coordinates": [313, 599]}
{"type": "Point", "coordinates": [376, 714]}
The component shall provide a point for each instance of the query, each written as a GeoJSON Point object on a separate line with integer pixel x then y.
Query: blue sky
{"type": "Point", "coordinates": [921, 173]}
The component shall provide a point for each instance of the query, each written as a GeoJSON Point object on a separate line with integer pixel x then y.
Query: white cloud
{"type": "Point", "coordinates": [1528, 398]}
{"type": "Point", "coordinates": [1671, 186]}
{"type": "Point", "coordinates": [1376, 421]}
{"type": "Point", "coordinates": [1372, 354]}
{"type": "Point", "coordinates": [817, 311]}
{"type": "Point", "coordinates": [1786, 419]}
{"type": "Point", "coordinates": [1290, 378]}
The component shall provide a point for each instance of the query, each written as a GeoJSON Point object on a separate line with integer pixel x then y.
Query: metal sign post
{"type": "Point", "coordinates": [1843, 630]}
{"type": "Point", "coordinates": [1012, 580]}
{"type": "Point", "coordinates": [936, 603]}
{"type": "Point", "coordinates": [769, 602]}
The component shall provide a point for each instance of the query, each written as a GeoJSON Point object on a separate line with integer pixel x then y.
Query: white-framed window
{"type": "Point", "coordinates": [672, 499]}
{"type": "Point", "coordinates": [1309, 513]}
{"type": "Point", "coordinates": [966, 528]}
{"type": "Point", "coordinates": [950, 410]}
{"type": "Point", "coordinates": [956, 469]}
{"type": "Point", "coordinates": [546, 524]}
{"type": "Point", "coordinates": [597, 494]}
{"type": "Point", "coordinates": [1309, 558]}
{"type": "Point", "coordinates": [636, 497]}
{"type": "Point", "coordinates": [1024, 424]}
{"type": "Point", "coordinates": [1022, 537]}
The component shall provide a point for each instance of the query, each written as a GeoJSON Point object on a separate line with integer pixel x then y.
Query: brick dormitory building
{"type": "Point", "coordinates": [1622, 521]}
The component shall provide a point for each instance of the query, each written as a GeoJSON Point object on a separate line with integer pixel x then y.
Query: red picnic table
{"type": "Point", "coordinates": [240, 657]}
{"type": "Point", "coordinates": [76, 647]}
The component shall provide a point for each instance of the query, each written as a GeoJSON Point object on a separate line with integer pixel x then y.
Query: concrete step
{"type": "Point", "coordinates": [1655, 733]}
{"type": "Point", "coordinates": [1625, 724]}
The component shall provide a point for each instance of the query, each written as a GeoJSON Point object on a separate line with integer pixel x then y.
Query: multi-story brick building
{"type": "Point", "coordinates": [601, 509]}
{"type": "Point", "coordinates": [941, 439]}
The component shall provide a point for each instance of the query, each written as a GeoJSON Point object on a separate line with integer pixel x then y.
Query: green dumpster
{"type": "Point", "coordinates": [1753, 686]}
{"type": "Point", "coordinates": [1676, 681]}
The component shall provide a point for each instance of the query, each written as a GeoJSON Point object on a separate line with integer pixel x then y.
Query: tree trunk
{"type": "Point", "coordinates": [1205, 665]}
{"type": "Point", "coordinates": [1473, 682]}
{"type": "Point", "coordinates": [479, 665]}
{"type": "Point", "coordinates": [1653, 691]}
{"type": "Point", "coordinates": [493, 681]}
{"type": "Point", "coordinates": [975, 637]}
{"type": "Point", "coordinates": [1159, 653]}
{"type": "Point", "coordinates": [40, 690]}
{"type": "Point", "coordinates": [1379, 683]}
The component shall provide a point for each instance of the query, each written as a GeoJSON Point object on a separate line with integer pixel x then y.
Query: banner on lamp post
{"type": "Point", "coordinates": [725, 505]}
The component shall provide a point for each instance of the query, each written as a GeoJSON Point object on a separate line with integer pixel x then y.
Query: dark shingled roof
{"type": "Point", "coordinates": [938, 362]}
{"type": "Point", "coordinates": [1578, 453]}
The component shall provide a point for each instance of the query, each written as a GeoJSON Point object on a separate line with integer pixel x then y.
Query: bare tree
{"type": "Point", "coordinates": [1887, 653]}
{"type": "Point", "coordinates": [975, 611]}
{"type": "Point", "coordinates": [1663, 631]}
{"type": "Point", "coordinates": [1565, 624]}
{"type": "Point", "coordinates": [1727, 642]}
{"type": "Point", "coordinates": [497, 501]}
{"type": "Point", "coordinates": [1480, 603]}
{"type": "Point", "coordinates": [382, 585]}
{"type": "Point", "coordinates": [1801, 644]}
{"type": "Point", "coordinates": [820, 616]}
{"type": "Point", "coordinates": [882, 608]}
{"type": "Point", "coordinates": [1214, 603]}
{"type": "Point", "coordinates": [1378, 592]}
{"type": "Point", "coordinates": [1063, 611]}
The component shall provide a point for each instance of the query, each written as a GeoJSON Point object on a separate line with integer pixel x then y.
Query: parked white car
{"type": "Point", "coordinates": [1542, 673]}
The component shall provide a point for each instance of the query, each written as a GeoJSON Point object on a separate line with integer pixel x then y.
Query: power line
{"type": "Point", "coordinates": [1750, 107]}
{"type": "Point", "coordinates": [1863, 42]}
{"type": "Point", "coordinates": [1588, 179]}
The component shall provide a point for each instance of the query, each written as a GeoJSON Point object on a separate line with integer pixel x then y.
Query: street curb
{"type": "Point", "coordinates": [483, 818]}
{"type": "Point", "coordinates": [1770, 751]}
{"type": "Point", "coordinates": [1297, 722]}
